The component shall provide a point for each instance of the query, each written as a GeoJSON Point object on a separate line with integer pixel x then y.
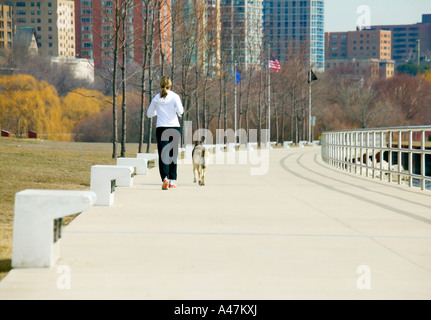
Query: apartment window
{"type": "Point", "coordinates": [20, 4]}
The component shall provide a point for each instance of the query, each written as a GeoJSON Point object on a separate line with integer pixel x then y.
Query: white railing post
{"type": "Point", "coordinates": [356, 152]}
{"type": "Point", "coordinates": [382, 154]}
{"type": "Point", "coordinates": [374, 154]}
{"type": "Point", "coordinates": [399, 156]}
{"type": "Point", "coordinates": [423, 134]}
{"type": "Point", "coordinates": [367, 153]}
{"type": "Point", "coordinates": [410, 157]}
{"type": "Point", "coordinates": [390, 157]}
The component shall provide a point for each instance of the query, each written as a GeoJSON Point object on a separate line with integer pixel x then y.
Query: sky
{"type": "Point", "coordinates": [341, 15]}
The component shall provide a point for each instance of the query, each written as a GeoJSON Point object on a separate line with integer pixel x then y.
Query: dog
{"type": "Point", "coordinates": [200, 159]}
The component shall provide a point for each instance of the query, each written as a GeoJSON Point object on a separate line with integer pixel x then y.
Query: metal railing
{"type": "Point", "coordinates": [401, 154]}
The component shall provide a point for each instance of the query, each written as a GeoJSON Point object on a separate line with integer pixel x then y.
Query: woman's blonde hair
{"type": "Point", "coordinates": [165, 83]}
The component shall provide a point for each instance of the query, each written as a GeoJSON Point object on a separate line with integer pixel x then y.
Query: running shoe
{"type": "Point", "coordinates": [172, 184]}
{"type": "Point", "coordinates": [165, 184]}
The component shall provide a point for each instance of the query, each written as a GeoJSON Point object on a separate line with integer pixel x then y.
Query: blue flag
{"type": "Point", "coordinates": [237, 77]}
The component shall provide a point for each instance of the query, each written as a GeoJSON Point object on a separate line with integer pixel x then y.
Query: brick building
{"type": "Point", "coordinates": [53, 21]}
{"type": "Point", "coordinates": [95, 31]}
{"type": "Point", "coordinates": [408, 40]}
{"type": "Point", "coordinates": [6, 35]}
{"type": "Point", "coordinates": [367, 52]}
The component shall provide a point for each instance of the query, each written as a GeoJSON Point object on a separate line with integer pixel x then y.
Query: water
{"type": "Point", "coordinates": [417, 183]}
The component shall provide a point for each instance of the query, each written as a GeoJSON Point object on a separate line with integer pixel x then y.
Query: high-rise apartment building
{"type": "Point", "coordinates": [295, 27]}
{"type": "Point", "coordinates": [213, 34]}
{"type": "Point", "coordinates": [6, 35]}
{"type": "Point", "coordinates": [410, 42]}
{"type": "Point", "coordinates": [53, 21]}
{"type": "Point", "coordinates": [95, 30]}
{"type": "Point", "coordinates": [242, 33]}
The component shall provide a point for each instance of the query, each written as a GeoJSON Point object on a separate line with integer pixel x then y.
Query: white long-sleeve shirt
{"type": "Point", "coordinates": [166, 109]}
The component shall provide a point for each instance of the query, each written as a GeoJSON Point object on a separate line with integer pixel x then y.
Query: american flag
{"type": "Point", "coordinates": [274, 65]}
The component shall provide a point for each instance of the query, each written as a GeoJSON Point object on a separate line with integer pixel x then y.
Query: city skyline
{"type": "Point", "coordinates": [341, 15]}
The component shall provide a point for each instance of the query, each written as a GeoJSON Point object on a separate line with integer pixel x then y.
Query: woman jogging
{"type": "Point", "coordinates": [167, 107]}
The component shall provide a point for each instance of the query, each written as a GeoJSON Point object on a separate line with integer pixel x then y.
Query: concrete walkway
{"type": "Point", "coordinates": [303, 230]}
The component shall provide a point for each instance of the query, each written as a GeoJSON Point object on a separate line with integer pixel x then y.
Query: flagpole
{"type": "Point", "coordinates": [309, 107]}
{"type": "Point", "coordinates": [269, 99]}
{"type": "Point", "coordinates": [235, 118]}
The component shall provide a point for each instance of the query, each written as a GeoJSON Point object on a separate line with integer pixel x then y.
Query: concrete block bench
{"type": "Point", "coordinates": [147, 156]}
{"type": "Point", "coordinates": [286, 144]}
{"type": "Point", "coordinates": [37, 224]}
{"type": "Point", "coordinates": [219, 148]}
{"type": "Point", "coordinates": [105, 178]}
{"type": "Point", "coordinates": [302, 143]}
{"type": "Point", "coordinates": [251, 146]}
{"type": "Point", "coordinates": [231, 147]}
{"type": "Point", "coordinates": [272, 144]}
{"type": "Point", "coordinates": [209, 147]}
{"type": "Point", "coordinates": [140, 164]}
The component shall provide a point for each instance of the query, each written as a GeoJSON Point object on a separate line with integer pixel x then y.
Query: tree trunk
{"type": "Point", "coordinates": [247, 105]}
{"type": "Point", "coordinates": [283, 115]}
{"type": "Point", "coordinates": [220, 102]}
{"type": "Point", "coordinates": [123, 81]}
{"type": "Point", "coordinates": [225, 105]}
{"type": "Point", "coordinates": [150, 78]}
{"type": "Point", "coordinates": [162, 53]}
{"type": "Point", "coordinates": [144, 65]}
{"type": "Point", "coordinates": [197, 98]}
{"type": "Point", "coordinates": [114, 85]}
{"type": "Point", "coordinates": [205, 123]}
{"type": "Point", "coordinates": [259, 114]}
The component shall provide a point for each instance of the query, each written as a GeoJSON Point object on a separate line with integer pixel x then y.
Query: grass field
{"type": "Point", "coordinates": [38, 164]}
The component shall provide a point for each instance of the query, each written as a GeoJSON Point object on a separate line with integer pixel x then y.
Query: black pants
{"type": "Point", "coordinates": [168, 142]}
